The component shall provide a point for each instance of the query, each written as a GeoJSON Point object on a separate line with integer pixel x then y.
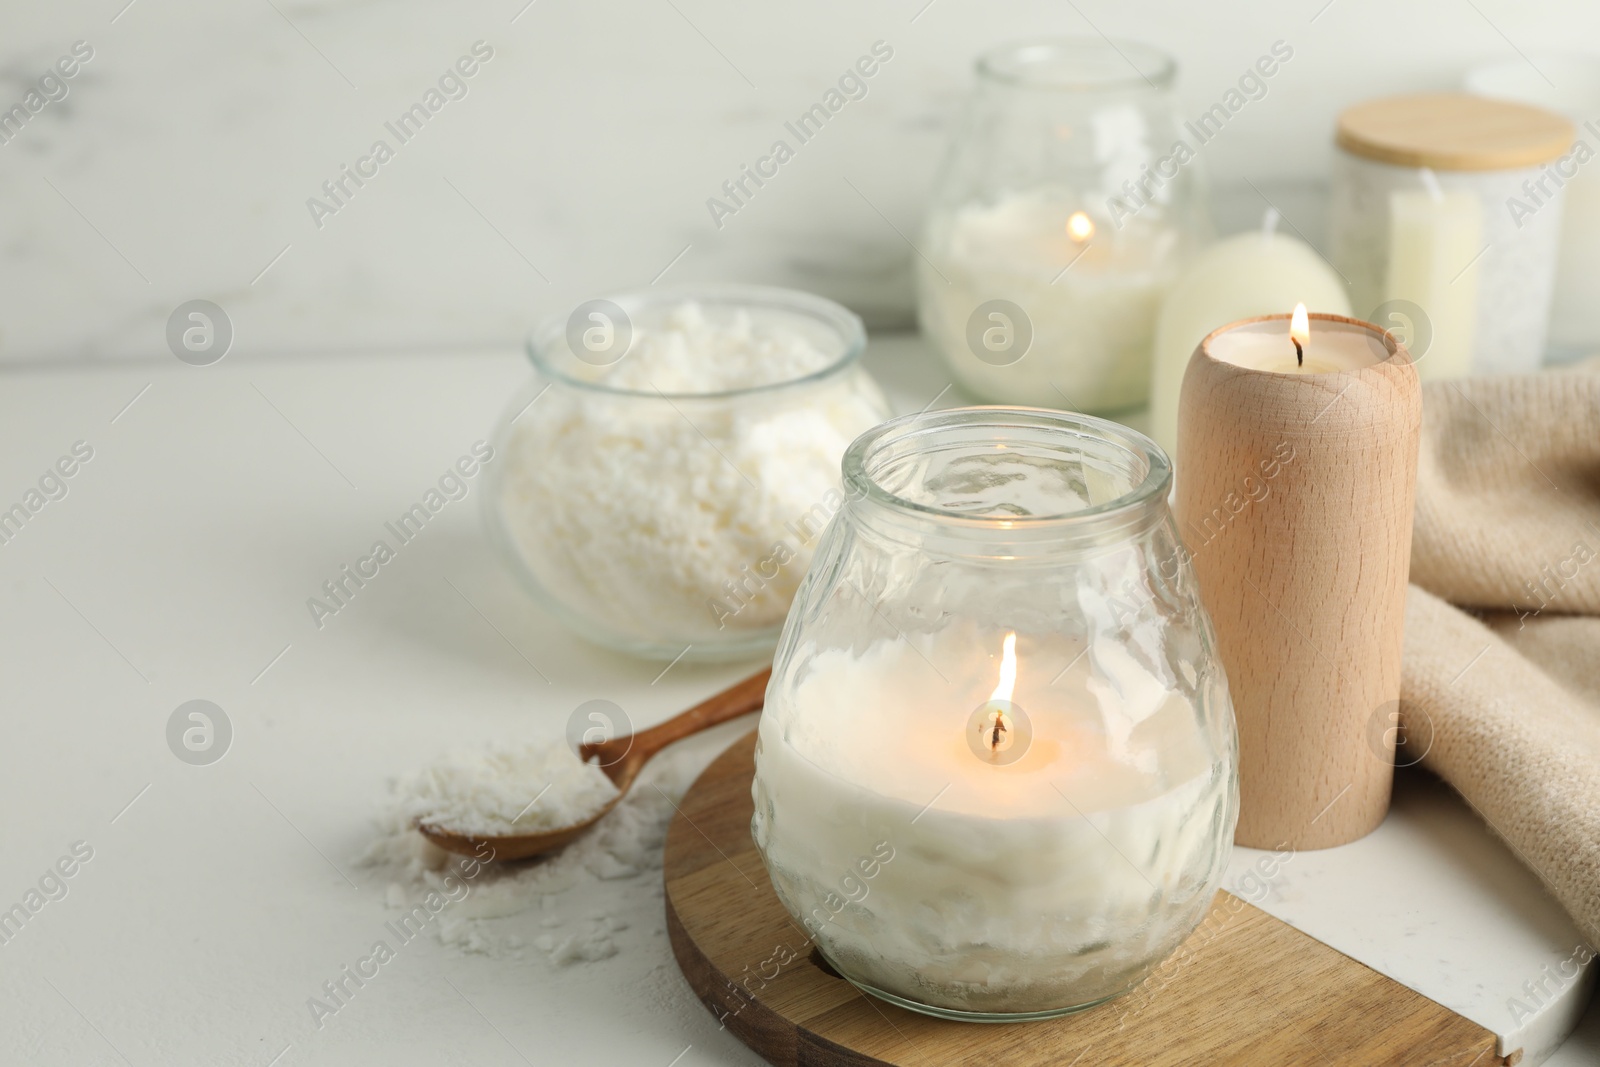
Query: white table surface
{"type": "Point", "coordinates": [220, 897]}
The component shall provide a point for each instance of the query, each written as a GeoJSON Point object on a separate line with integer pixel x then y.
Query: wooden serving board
{"type": "Point", "coordinates": [1245, 988]}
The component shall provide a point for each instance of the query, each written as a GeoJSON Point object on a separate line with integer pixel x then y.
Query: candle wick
{"type": "Point", "coordinates": [998, 729]}
{"type": "Point", "coordinates": [1299, 353]}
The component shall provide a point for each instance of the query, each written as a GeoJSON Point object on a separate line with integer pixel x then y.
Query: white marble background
{"type": "Point", "coordinates": [179, 165]}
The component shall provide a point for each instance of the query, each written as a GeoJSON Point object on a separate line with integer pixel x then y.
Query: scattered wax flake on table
{"type": "Point", "coordinates": [597, 897]}
{"type": "Point", "coordinates": [506, 789]}
{"type": "Point", "coordinates": [592, 943]}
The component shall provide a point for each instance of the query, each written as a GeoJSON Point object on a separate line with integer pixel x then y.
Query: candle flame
{"type": "Point", "coordinates": [1300, 326]}
{"type": "Point", "coordinates": [1080, 227]}
{"type": "Point", "coordinates": [1008, 669]}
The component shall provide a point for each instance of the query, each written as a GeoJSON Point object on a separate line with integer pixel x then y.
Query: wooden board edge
{"type": "Point", "coordinates": [786, 1042]}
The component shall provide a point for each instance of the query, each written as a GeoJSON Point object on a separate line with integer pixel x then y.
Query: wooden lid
{"type": "Point", "coordinates": [1454, 131]}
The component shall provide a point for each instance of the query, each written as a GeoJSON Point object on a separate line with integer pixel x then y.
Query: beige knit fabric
{"type": "Point", "coordinates": [1506, 701]}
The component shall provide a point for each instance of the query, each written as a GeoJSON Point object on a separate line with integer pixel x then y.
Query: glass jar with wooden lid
{"type": "Point", "coordinates": [1446, 220]}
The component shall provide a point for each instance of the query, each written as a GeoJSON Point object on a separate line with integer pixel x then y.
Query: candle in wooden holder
{"type": "Point", "coordinates": [1295, 501]}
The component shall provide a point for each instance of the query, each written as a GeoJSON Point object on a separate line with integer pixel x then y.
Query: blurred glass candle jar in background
{"type": "Point", "coordinates": [1431, 208]}
{"type": "Point", "coordinates": [1568, 84]}
{"type": "Point", "coordinates": [1064, 211]}
{"type": "Point", "coordinates": [995, 773]}
{"type": "Point", "coordinates": [666, 474]}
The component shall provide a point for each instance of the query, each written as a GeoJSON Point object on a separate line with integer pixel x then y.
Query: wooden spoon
{"type": "Point", "coordinates": [621, 760]}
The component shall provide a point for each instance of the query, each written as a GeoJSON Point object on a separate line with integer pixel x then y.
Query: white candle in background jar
{"type": "Point", "coordinates": [1430, 298]}
{"type": "Point", "coordinates": [1491, 150]}
{"type": "Point", "coordinates": [1249, 274]}
{"type": "Point", "coordinates": [1568, 84]}
{"type": "Point", "coordinates": [1089, 294]}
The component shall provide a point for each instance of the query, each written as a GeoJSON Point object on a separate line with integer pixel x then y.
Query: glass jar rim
{"type": "Point", "coordinates": [548, 340]}
{"type": "Point", "coordinates": [1154, 485]}
{"type": "Point", "coordinates": [1059, 62]}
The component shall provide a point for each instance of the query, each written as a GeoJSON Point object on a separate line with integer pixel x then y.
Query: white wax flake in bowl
{"type": "Point", "coordinates": [506, 789]}
{"type": "Point", "coordinates": [693, 351]}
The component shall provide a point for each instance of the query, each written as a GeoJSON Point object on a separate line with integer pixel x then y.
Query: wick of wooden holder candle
{"type": "Point", "coordinates": [1300, 333]}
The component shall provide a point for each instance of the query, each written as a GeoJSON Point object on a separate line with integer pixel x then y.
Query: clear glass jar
{"type": "Point", "coordinates": [663, 520]}
{"type": "Point", "coordinates": [1065, 209]}
{"type": "Point", "coordinates": [1445, 217]}
{"type": "Point", "coordinates": [996, 773]}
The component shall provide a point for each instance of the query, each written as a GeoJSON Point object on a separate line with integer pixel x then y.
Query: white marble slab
{"type": "Point", "coordinates": [1433, 900]}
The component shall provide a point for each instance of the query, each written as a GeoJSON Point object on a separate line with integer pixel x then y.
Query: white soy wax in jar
{"type": "Point", "coordinates": [1007, 889]}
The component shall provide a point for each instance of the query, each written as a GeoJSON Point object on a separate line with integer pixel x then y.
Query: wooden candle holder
{"type": "Point", "coordinates": [1294, 498]}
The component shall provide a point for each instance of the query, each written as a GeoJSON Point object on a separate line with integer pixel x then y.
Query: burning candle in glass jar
{"type": "Point", "coordinates": [1088, 295]}
{"type": "Point", "coordinates": [994, 776]}
{"type": "Point", "coordinates": [1042, 267]}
